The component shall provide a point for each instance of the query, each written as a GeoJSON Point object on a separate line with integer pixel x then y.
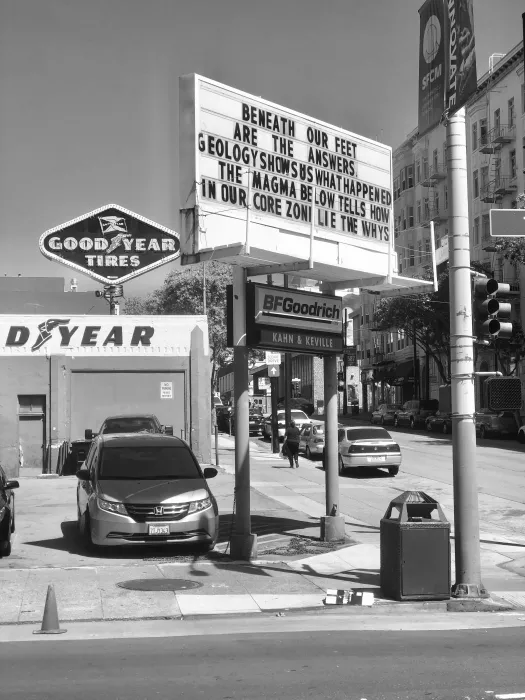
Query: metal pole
{"type": "Point", "coordinates": [243, 545]}
{"type": "Point", "coordinates": [414, 360]}
{"type": "Point", "coordinates": [216, 445]}
{"type": "Point", "coordinates": [248, 197]}
{"type": "Point", "coordinates": [287, 377]}
{"type": "Point", "coordinates": [332, 524]}
{"type": "Point", "coordinates": [204, 287]}
{"type": "Point", "coordinates": [466, 519]}
{"type": "Point", "coordinates": [274, 385]}
{"type": "Point", "coordinates": [312, 228]}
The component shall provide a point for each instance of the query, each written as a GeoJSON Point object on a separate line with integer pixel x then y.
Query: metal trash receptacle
{"type": "Point", "coordinates": [415, 549]}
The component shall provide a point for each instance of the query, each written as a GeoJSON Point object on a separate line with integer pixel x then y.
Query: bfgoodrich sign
{"type": "Point", "coordinates": [97, 335]}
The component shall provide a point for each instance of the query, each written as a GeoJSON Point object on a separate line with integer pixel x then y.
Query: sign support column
{"type": "Point", "coordinates": [332, 524]}
{"type": "Point", "coordinates": [466, 518]}
{"type": "Point", "coordinates": [243, 544]}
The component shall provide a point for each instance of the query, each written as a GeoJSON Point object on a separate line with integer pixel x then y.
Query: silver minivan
{"type": "Point", "coordinates": [145, 489]}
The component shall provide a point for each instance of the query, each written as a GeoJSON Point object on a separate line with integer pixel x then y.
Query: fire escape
{"type": "Point", "coordinates": [432, 207]}
{"type": "Point", "coordinates": [498, 185]}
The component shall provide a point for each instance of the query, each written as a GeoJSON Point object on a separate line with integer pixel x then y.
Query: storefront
{"type": "Point", "coordinates": [61, 375]}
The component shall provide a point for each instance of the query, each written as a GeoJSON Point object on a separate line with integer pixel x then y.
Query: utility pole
{"type": "Point", "coordinates": [111, 293]}
{"type": "Point", "coordinates": [243, 544]}
{"type": "Point", "coordinates": [287, 378]}
{"type": "Point", "coordinates": [466, 517]}
{"type": "Point", "coordinates": [345, 364]}
{"type": "Point", "coordinates": [274, 389]}
{"type": "Point", "coordinates": [414, 360]}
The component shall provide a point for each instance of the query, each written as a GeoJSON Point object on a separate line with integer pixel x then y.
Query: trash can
{"type": "Point", "coordinates": [415, 549]}
{"type": "Point", "coordinates": [355, 409]}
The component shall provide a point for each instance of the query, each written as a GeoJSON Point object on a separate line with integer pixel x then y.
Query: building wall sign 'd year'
{"type": "Point", "coordinates": [111, 244]}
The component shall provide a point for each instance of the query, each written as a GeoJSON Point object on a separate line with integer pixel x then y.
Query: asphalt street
{"type": "Point", "coordinates": [336, 665]}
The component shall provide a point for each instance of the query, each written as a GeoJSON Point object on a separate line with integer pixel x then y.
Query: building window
{"type": "Point", "coordinates": [445, 189]}
{"type": "Point", "coordinates": [419, 252]}
{"type": "Point", "coordinates": [426, 212]}
{"type": "Point", "coordinates": [511, 114]}
{"type": "Point", "coordinates": [475, 136]}
{"type": "Point", "coordinates": [475, 184]}
{"type": "Point", "coordinates": [403, 179]}
{"type": "Point", "coordinates": [523, 98]}
{"type": "Point", "coordinates": [444, 154]}
{"type": "Point", "coordinates": [485, 227]}
{"type": "Point", "coordinates": [396, 184]}
{"type": "Point", "coordinates": [435, 160]}
{"type": "Point", "coordinates": [427, 246]}
{"type": "Point", "coordinates": [512, 165]}
{"type": "Point", "coordinates": [484, 177]}
{"type": "Point", "coordinates": [425, 168]}
{"type": "Point", "coordinates": [411, 256]}
{"type": "Point", "coordinates": [410, 217]}
{"type": "Point", "coordinates": [410, 176]}
{"type": "Point", "coordinates": [497, 120]}
{"type": "Point", "coordinates": [418, 211]}
{"type": "Point", "coordinates": [482, 132]}
{"type": "Point", "coordinates": [404, 220]}
{"type": "Point", "coordinates": [476, 231]}
{"type": "Point", "coordinates": [418, 169]}
{"type": "Point", "coordinates": [436, 202]}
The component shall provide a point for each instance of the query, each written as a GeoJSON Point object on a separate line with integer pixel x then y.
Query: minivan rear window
{"type": "Point", "coordinates": [148, 462]}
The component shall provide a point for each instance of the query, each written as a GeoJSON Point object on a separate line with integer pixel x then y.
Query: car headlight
{"type": "Point", "coordinates": [111, 507]}
{"type": "Point", "coordinates": [196, 506]}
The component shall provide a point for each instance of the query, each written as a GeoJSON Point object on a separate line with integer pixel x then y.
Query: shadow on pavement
{"type": "Point", "coordinates": [266, 524]}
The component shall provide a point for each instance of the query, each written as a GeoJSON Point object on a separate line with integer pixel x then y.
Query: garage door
{"type": "Point", "coordinates": [96, 395]}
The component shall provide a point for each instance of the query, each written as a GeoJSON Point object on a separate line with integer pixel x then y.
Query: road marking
{"type": "Point", "coordinates": [510, 696]}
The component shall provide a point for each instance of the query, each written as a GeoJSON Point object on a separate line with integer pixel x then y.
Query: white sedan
{"type": "Point", "coordinates": [368, 447]}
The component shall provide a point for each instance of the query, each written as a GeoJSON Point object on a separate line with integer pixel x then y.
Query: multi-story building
{"type": "Point", "coordinates": [391, 370]}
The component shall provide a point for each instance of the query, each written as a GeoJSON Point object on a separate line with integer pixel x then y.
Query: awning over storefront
{"type": "Point", "coordinates": [385, 372]}
{"type": "Point", "coordinates": [404, 372]}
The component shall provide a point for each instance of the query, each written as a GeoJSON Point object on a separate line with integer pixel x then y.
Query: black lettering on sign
{"type": "Point", "coordinates": [283, 145]}
{"type": "Point", "coordinates": [267, 203]}
{"type": "Point", "coordinates": [208, 189]}
{"type": "Point", "coordinates": [375, 231]}
{"type": "Point", "coordinates": [90, 335]}
{"type": "Point", "coordinates": [233, 195]}
{"type": "Point", "coordinates": [230, 172]}
{"type": "Point", "coordinates": [276, 185]}
{"type": "Point", "coordinates": [66, 334]}
{"type": "Point", "coordinates": [379, 213]}
{"type": "Point", "coordinates": [247, 134]}
{"type": "Point", "coordinates": [299, 212]}
{"type": "Point", "coordinates": [18, 335]}
{"type": "Point", "coordinates": [142, 335]}
{"type": "Point", "coordinates": [114, 336]}
{"type": "Point", "coordinates": [349, 224]}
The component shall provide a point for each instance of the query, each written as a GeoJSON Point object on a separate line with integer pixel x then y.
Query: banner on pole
{"type": "Point", "coordinates": [431, 64]}
{"type": "Point", "coordinates": [461, 52]}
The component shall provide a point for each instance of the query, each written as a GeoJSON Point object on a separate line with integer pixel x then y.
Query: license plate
{"type": "Point", "coordinates": [375, 459]}
{"type": "Point", "coordinates": [158, 529]}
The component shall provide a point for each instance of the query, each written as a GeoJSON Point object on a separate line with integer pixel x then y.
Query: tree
{"type": "Point", "coordinates": [426, 318]}
{"type": "Point", "coordinates": [182, 294]}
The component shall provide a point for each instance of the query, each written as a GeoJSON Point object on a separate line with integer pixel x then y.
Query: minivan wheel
{"type": "Point", "coordinates": [341, 466]}
{"type": "Point", "coordinates": [393, 471]}
{"type": "Point", "coordinates": [84, 525]}
{"type": "Point", "coordinates": [483, 432]}
{"type": "Point", "coordinates": [521, 436]}
{"type": "Point", "coordinates": [308, 452]}
{"type": "Point", "coordinates": [5, 546]}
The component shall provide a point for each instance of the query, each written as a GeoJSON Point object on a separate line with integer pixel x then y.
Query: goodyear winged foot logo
{"type": "Point", "coordinates": [45, 330]}
{"type": "Point", "coordinates": [114, 224]}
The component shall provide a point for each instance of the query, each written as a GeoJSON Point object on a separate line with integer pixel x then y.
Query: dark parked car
{"type": "Point", "coordinates": [385, 413]}
{"type": "Point", "coordinates": [255, 423]}
{"type": "Point", "coordinates": [441, 422]}
{"type": "Point", "coordinates": [495, 424]}
{"type": "Point", "coordinates": [147, 423]}
{"type": "Point", "coordinates": [7, 512]}
{"type": "Point", "coordinates": [414, 413]}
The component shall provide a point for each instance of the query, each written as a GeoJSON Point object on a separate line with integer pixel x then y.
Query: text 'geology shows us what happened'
{"type": "Point", "coordinates": [281, 161]}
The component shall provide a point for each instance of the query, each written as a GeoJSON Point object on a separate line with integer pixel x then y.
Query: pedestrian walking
{"type": "Point", "coordinates": [291, 441]}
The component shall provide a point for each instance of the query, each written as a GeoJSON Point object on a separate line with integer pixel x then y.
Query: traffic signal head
{"type": "Point", "coordinates": [492, 316]}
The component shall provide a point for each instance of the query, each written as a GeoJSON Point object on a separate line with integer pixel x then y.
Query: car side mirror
{"type": "Point", "coordinates": [88, 434]}
{"type": "Point", "coordinates": [12, 484]}
{"type": "Point", "coordinates": [83, 474]}
{"type": "Point", "coordinates": [168, 430]}
{"type": "Point", "coordinates": [210, 472]}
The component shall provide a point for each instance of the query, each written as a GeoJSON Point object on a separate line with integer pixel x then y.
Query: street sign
{"type": "Point", "coordinates": [507, 223]}
{"type": "Point", "coordinates": [273, 358]}
{"type": "Point", "coordinates": [111, 244]}
{"type": "Point", "coordinates": [274, 370]}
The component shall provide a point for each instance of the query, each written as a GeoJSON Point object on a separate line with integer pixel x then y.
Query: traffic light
{"type": "Point", "coordinates": [492, 316]}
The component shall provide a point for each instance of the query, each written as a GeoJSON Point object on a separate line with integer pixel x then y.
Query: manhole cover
{"type": "Point", "coordinates": [159, 584]}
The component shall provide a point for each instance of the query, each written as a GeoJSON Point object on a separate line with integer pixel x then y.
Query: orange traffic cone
{"type": "Point", "coordinates": [50, 623]}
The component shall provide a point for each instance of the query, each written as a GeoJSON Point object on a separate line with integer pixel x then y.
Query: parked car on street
{"type": "Point", "coordinates": [521, 434]}
{"type": "Point", "coordinates": [385, 413]}
{"type": "Point", "coordinates": [299, 417]}
{"type": "Point", "coordinates": [255, 422]}
{"type": "Point", "coordinates": [367, 447]}
{"type": "Point", "coordinates": [311, 439]}
{"type": "Point", "coordinates": [440, 422]}
{"type": "Point", "coordinates": [7, 512]}
{"type": "Point", "coordinates": [145, 489]}
{"type": "Point", "coordinates": [495, 424]}
{"type": "Point", "coordinates": [133, 423]}
{"type": "Point", "coordinates": [414, 413]}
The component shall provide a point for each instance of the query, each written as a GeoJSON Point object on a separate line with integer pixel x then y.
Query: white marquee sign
{"type": "Point", "coordinates": [271, 178]}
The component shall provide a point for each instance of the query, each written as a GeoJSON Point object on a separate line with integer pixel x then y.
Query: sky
{"type": "Point", "coordinates": [89, 94]}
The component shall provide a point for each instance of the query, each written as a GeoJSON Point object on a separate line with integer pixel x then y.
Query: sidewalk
{"type": "Point", "coordinates": [293, 571]}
